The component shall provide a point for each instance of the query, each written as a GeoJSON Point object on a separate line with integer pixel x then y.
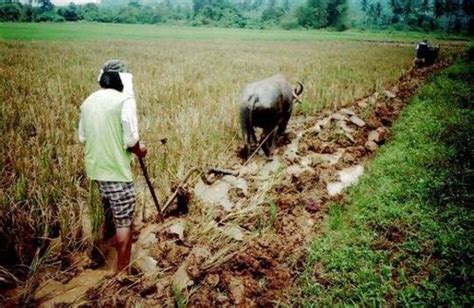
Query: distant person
{"type": "Point", "coordinates": [425, 55]}
{"type": "Point", "coordinates": [108, 127]}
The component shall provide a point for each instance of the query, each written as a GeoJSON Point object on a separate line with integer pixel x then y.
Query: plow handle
{"type": "Point", "coordinates": [152, 191]}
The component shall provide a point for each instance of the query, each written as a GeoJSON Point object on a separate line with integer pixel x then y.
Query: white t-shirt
{"type": "Point", "coordinates": [128, 115]}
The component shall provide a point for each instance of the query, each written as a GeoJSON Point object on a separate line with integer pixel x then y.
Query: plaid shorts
{"type": "Point", "coordinates": [121, 197]}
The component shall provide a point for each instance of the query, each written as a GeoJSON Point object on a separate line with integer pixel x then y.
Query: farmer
{"type": "Point", "coordinates": [425, 54]}
{"type": "Point", "coordinates": [108, 127]}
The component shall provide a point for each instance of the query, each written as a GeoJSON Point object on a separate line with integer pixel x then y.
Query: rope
{"type": "Point", "coordinates": [260, 145]}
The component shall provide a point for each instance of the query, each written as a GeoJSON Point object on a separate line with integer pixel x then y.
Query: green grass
{"type": "Point", "coordinates": [103, 31]}
{"type": "Point", "coordinates": [404, 235]}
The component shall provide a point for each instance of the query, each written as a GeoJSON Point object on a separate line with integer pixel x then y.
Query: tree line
{"type": "Point", "coordinates": [426, 15]}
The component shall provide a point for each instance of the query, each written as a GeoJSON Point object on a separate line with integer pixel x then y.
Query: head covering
{"type": "Point", "coordinates": [109, 77]}
{"type": "Point", "coordinates": [115, 66]}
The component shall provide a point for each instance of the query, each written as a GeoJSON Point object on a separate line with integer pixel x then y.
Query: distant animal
{"type": "Point", "coordinates": [267, 104]}
{"type": "Point", "coordinates": [425, 55]}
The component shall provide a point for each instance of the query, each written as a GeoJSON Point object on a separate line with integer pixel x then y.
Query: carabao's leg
{"type": "Point", "coordinates": [267, 146]}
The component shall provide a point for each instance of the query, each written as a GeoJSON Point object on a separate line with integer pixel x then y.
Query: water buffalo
{"type": "Point", "coordinates": [426, 55]}
{"type": "Point", "coordinates": [267, 104]}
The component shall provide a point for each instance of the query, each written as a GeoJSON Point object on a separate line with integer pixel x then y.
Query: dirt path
{"type": "Point", "coordinates": [266, 215]}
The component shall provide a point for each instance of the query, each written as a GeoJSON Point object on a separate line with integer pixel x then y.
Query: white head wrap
{"type": "Point", "coordinates": [121, 68]}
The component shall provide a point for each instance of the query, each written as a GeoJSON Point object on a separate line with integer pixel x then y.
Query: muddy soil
{"type": "Point", "coordinates": [312, 165]}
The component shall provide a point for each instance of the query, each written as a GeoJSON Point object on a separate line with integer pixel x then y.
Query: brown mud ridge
{"type": "Point", "coordinates": [320, 156]}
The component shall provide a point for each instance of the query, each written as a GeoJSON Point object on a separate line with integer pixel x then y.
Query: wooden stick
{"type": "Point", "coordinates": [150, 186]}
{"type": "Point", "coordinates": [163, 141]}
{"type": "Point", "coordinates": [260, 145]}
{"type": "Point", "coordinates": [222, 171]}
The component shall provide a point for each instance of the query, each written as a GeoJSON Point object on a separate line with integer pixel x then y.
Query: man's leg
{"type": "Point", "coordinates": [123, 238]}
{"type": "Point", "coordinates": [108, 229]}
{"type": "Point", "coordinates": [122, 203]}
{"type": "Point", "coordinates": [101, 245]}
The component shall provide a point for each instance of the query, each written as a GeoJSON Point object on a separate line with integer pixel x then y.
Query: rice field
{"type": "Point", "coordinates": [187, 89]}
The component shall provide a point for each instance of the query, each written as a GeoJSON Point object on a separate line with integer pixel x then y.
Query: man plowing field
{"type": "Point", "coordinates": [108, 127]}
{"type": "Point", "coordinates": [425, 55]}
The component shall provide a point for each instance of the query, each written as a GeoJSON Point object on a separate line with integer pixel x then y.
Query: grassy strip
{"type": "Point", "coordinates": [404, 235]}
{"type": "Point", "coordinates": [102, 31]}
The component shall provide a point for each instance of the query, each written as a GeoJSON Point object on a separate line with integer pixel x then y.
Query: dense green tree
{"type": "Point", "coordinates": [127, 15]}
{"type": "Point", "coordinates": [313, 14]}
{"type": "Point", "coordinates": [90, 12]}
{"type": "Point", "coordinates": [375, 14]}
{"type": "Point", "coordinates": [452, 9]}
{"type": "Point", "coordinates": [257, 4]}
{"type": "Point", "coordinates": [45, 5]}
{"type": "Point", "coordinates": [10, 12]}
{"type": "Point", "coordinates": [425, 6]}
{"type": "Point", "coordinates": [272, 14]}
{"type": "Point", "coordinates": [29, 13]}
{"type": "Point", "coordinates": [217, 12]}
{"type": "Point", "coordinates": [213, 4]}
{"type": "Point", "coordinates": [438, 8]}
{"type": "Point", "coordinates": [134, 3]}
{"type": "Point", "coordinates": [50, 15]}
{"type": "Point", "coordinates": [70, 13]}
{"type": "Point", "coordinates": [322, 13]}
{"type": "Point", "coordinates": [407, 8]}
{"type": "Point", "coordinates": [337, 14]}
{"type": "Point", "coordinates": [396, 6]}
{"type": "Point", "coordinates": [468, 7]}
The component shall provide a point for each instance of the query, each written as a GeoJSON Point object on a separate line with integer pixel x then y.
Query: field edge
{"type": "Point", "coordinates": [402, 236]}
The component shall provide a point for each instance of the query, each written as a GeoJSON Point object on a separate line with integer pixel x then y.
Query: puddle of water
{"type": "Point", "coordinates": [269, 169]}
{"type": "Point", "coordinates": [233, 232]}
{"type": "Point", "coordinates": [178, 229]}
{"type": "Point", "coordinates": [347, 111]}
{"type": "Point", "coordinates": [217, 193]}
{"type": "Point", "coordinates": [237, 183]}
{"type": "Point", "coordinates": [347, 177]}
{"type": "Point", "coordinates": [344, 127]}
{"type": "Point", "coordinates": [292, 148]}
{"type": "Point", "coordinates": [140, 255]}
{"type": "Point", "coordinates": [307, 160]}
{"type": "Point", "coordinates": [351, 175]}
{"type": "Point", "coordinates": [338, 117]}
{"type": "Point", "coordinates": [56, 292]}
{"type": "Point", "coordinates": [250, 169]}
{"type": "Point", "coordinates": [147, 235]}
{"type": "Point", "coordinates": [214, 194]}
{"type": "Point", "coordinates": [145, 262]}
{"type": "Point", "coordinates": [324, 123]}
{"type": "Point", "coordinates": [357, 121]}
{"type": "Point", "coordinates": [296, 170]}
{"type": "Point", "coordinates": [331, 159]}
{"type": "Point", "coordinates": [304, 165]}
